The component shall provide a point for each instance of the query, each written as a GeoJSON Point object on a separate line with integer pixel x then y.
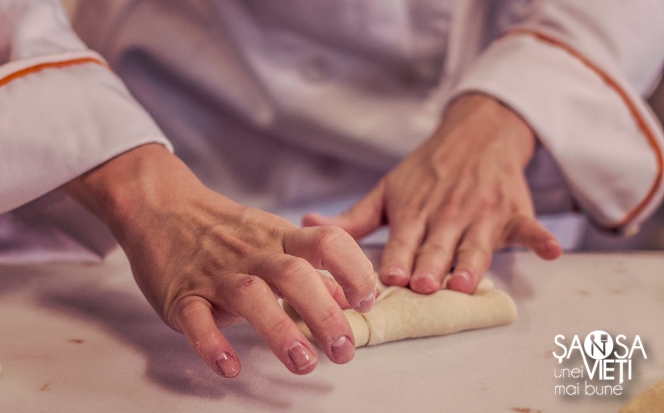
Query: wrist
{"type": "Point", "coordinates": [126, 191]}
{"type": "Point", "coordinates": [476, 119]}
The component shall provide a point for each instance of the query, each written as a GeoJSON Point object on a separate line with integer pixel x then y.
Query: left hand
{"type": "Point", "coordinates": [454, 200]}
{"type": "Point", "coordinates": [205, 262]}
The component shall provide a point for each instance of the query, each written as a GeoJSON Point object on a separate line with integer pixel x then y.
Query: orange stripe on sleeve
{"type": "Point", "coordinates": [643, 126]}
{"type": "Point", "coordinates": [51, 65]}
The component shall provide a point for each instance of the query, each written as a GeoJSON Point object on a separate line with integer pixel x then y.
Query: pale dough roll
{"type": "Point", "coordinates": [399, 313]}
{"type": "Point", "coordinates": [650, 401]}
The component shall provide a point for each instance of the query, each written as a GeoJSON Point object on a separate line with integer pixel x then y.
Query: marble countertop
{"type": "Point", "coordinates": [77, 337]}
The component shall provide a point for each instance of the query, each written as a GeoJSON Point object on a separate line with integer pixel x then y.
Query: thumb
{"type": "Point", "coordinates": [361, 219]}
{"type": "Point", "coordinates": [528, 232]}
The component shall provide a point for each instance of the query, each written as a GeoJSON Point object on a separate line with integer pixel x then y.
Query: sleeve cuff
{"type": "Point", "coordinates": [605, 139]}
{"type": "Point", "coordinates": [61, 116]}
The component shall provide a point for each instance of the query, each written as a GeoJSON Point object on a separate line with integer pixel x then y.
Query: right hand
{"type": "Point", "coordinates": [453, 201]}
{"type": "Point", "coordinates": [205, 262]}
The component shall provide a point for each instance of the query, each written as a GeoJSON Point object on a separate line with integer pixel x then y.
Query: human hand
{"type": "Point", "coordinates": [454, 200]}
{"type": "Point", "coordinates": [205, 262]}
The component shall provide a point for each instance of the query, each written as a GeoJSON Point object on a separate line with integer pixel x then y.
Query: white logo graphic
{"type": "Point", "coordinates": [598, 345]}
{"type": "Point", "coordinates": [602, 371]}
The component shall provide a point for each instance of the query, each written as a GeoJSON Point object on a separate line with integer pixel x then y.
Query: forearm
{"type": "Point", "coordinates": [63, 111]}
{"type": "Point", "coordinates": [132, 190]}
{"type": "Point", "coordinates": [575, 72]}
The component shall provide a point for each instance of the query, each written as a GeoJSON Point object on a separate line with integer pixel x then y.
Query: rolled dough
{"type": "Point", "coordinates": [399, 313]}
{"type": "Point", "coordinates": [650, 401]}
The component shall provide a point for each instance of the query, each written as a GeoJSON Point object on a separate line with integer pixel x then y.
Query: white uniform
{"type": "Point", "coordinates": [291, 102]}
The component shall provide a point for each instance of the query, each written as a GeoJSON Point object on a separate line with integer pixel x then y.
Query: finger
{"type": "Point", "coordinates": [473, 256]}
{"type": "Point", "coordinates": [302, 286]}
{"type": "Point", "coordinates": [334, 250]}
{"type": "Point", "coordinates": [253, 299]}
{"type": "Point", "coordinates": [434, 259]}
{"type": "Point", "coordinates": [361, 219]}
{"type": "Point", "coordinates": [398, 254]}
{"type": "Point", "coordinates": [195, 321]}
{"type": "Point", "coordinates": [527, 231]}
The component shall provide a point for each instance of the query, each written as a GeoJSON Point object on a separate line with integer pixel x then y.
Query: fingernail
{"type": "Point", "coordinates": [227, 365]}
{"type": "Point", "coordinates": [343, 349]}
{"type": "Point", "coordinates": [366, 304]}
{"type": "Point", "coordinates": [549, 249]}
{"type": "Point", "coordinates": [463, 274]}
{"type": "Point", "coordinates": [551, 243]}
{"type": "Point", "coordinates": [300, 356]}
{"type": "Point", "coordinates": [426, 283]}
{"type": "Point", "coordinates": [395, 274]}
{"type": "Point", "coordinates": [429, 276]}
{"type": "Point", "coordinates": [461, 281]}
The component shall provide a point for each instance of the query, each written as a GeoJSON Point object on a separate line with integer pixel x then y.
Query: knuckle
{"type": "Point", "coordinates": [413, 208]}
{"type": "Point", "coordinates": [474, 253]}
{"type": "Point", "coordinates": [181, 313]}
{"type": "Point", "coordinates": [329, 316]}
{"type": "Point", "coordinates": [362, 283]}
{"type": "Point", "coordinates": [434, 248]}
{"type": "Point", "coordinates": [366, 280]}
{"type": "Point", "coordinates": [247, 216]}
{"type": "Point", "coordinates": [368, 286]}
{"type": "Point", "coordinates": [368, 270]}
{"type": "Point", "coordinates": [247, 286]}
{"type": "Point", "coordinates": [185, 307]}
{"type": "Point", "coordinates": [279, 233]}
{"type": "Point", "coordinates": [407, 235]}
{"type": "Point", "coordinates": [331, 236]}
{"type": "Point", "coordinates": [486, 206]}
{"type": "Point", "coordinates": [279, 327]}
{"type": "Point", "coordinates": [294, 269]}
{"type": "Point", "coordinates": [413, 213]}
{"type": "Point", "coordinates": [455, 199]}
{"type": "Point", "coordinates": [398, 242]}
{"type": "Point", "coordinates": [447, 214]}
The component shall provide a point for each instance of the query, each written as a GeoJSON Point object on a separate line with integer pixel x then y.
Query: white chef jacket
{"type": "Point", "coordinates": [277, 103]}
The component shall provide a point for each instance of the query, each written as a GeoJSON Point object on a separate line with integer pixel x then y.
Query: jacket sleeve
{"type": "Point", "coordinates": [577, 72]}
{"type": "Point", "coordinates": [62, 112]}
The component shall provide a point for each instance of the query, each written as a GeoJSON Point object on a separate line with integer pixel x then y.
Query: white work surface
{"type": "Point", "coordinates": [81, 338]}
